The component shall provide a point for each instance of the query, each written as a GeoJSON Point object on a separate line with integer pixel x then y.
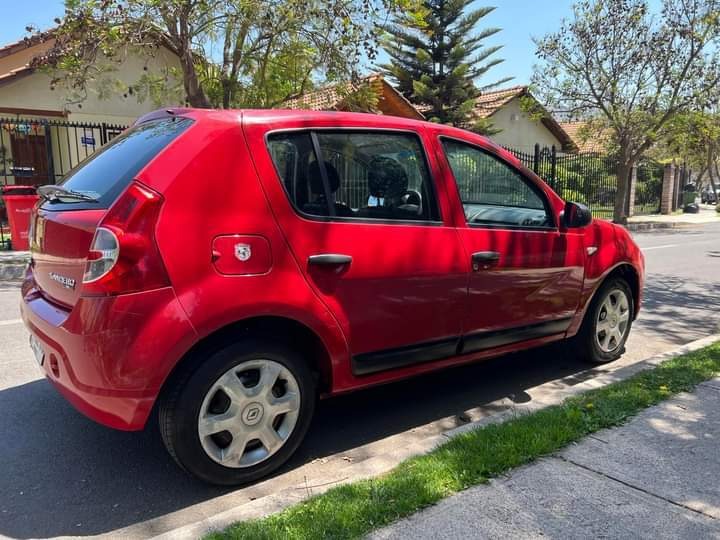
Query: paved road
{"type": "Point", "coordinates": [62, 475]}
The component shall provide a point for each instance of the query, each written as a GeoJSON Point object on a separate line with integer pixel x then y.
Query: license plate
{"type": "Point", "coordinates": [37, 350]}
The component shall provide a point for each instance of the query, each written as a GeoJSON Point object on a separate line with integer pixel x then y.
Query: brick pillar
{"type": "Point", "coordinates": [631, 192]}
{"type": "Point", "coordinates": [668, 185]}
{"type": "Point", "coordinates": [676, 189]}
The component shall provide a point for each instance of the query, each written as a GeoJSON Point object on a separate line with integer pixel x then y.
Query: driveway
{"type": "Point", "coordinates": [63, 475]}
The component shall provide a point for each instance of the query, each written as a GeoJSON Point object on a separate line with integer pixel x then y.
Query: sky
{"type": "Point", "coordinates": [520, 21]}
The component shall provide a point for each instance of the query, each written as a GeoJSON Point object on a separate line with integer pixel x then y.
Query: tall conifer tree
{"type": "Point", "coordinates": [436, 57]}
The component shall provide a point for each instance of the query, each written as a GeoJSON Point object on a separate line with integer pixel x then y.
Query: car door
{"type": "Point", "coordinates": [362, 216]}
{"type": "Point", "coordinates": [526, 273]}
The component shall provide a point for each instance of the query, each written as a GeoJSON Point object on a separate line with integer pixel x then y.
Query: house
{"type": "Point", "coordinates": [337, 97]}
{"type": "Point", "coordinates": [44, 131]}
{"type": "Point", "coordinates": [518, 128]}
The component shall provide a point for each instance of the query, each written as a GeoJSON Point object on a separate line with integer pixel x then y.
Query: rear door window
{"type": "Point", "coordinates": [368, 175]}
{"type": "Point", "coordinates": [107, 173]}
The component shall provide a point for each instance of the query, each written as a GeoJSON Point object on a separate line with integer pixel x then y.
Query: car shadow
{"type": "Point", "coordinates": [64, 475]}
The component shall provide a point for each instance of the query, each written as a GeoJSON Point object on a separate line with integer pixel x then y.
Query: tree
{"type": "Point", "coordinates": [630, 72]}
{"type": "Point", "coordinates": [435, 59]}
{"type": "Point", "coordinates": [695, 137]}
{"type": "Point", "coordinates": [231, 52]}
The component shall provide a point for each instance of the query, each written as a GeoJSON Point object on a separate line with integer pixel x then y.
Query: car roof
{"type": "Point", "coordinates": [278, 119]}
{"type": "Point", "coordinates": [299, 116]}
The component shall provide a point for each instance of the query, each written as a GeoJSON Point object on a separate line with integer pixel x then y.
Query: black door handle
{"type": "Point", "coordinates": [484, 259]}
{"type": "Point", "coordinates": [330, 259]}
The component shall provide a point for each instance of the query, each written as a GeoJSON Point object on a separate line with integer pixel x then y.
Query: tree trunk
{"type": "Point", "coordinates": [195, 94]}
{"type": "Point", "coordinates": [712, 177]}
{"type": "Point", "coordinates": [623, 191]}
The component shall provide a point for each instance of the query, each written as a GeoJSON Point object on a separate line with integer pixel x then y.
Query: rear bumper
{"type": "Point", "coordinates": [109, 356]}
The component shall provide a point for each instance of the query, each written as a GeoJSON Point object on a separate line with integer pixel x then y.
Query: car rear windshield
{"type": "Point", "coordinates": [107, 173]}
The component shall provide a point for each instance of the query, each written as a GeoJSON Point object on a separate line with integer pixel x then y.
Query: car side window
{"type": "Point", "coordinates": [492, 192]}
{"type": "Point", "coordinates": [368, 175]}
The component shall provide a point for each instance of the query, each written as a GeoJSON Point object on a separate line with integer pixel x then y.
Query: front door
{"type": "Point", "coordinates": [29, 159]}
{"type": "Point", "coordinates": [362, 218]}
{"type": "Point", "coordinates": [525, 273]}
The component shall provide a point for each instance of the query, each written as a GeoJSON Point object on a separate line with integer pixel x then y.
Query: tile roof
{"type": "Point", "coordinates": [585, 141]}
{"type": "Point", "coordinates": [488, 103]}
{"type": "Point", "coordinates": [21, 66]}
{"type": "Point", "coordinates": [15, 46]}
{"type": "Point", "coordinates": [330, 97]}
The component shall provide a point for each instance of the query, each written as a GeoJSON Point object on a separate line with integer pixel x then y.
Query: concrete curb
{"type": "Point", "coordinates": [13, 264]}
{"type": "Point", "coordinates": [545, 395]}
{"type": "Point", "coordinates": [12, 272]}
{"type": "Point", "coordinates": [650, 225]}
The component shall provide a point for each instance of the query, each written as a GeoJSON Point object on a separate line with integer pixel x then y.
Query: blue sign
{"type": "Point", "coordinates": [87, 141]}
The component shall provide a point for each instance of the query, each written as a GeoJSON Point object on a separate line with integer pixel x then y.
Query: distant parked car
{"type": "Point", "coordinates": [708, 196]}
{"type": "Point", "coordinates": [228, 267]}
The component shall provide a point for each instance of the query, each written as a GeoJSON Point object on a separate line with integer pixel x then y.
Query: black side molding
{"type": "Point", "coordinates": [367, 363]}
{"type": "Point", "coordinates": [420, 353]}
{"type": "Point", "coordinates": [481, 341]}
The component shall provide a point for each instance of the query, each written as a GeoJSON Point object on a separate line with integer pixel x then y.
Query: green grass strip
{"type": "Point", "coordinates": [353, 510]}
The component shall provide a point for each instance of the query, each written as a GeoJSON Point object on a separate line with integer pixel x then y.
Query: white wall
{"type": "Point", "coordinates": [519, 131]}
{"type": "Point", "coordinates": [34, 92]}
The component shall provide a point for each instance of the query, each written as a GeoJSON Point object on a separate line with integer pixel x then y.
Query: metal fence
{"type": "Point", "coordinates": [35, 152]}
{"type": "Point", "coordinates": [591, 179]}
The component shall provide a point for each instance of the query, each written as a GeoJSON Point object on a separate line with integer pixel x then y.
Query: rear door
{"type": "Point", "coordinates": [526, 273]}
{"type": "Point", "coordinates": [364, 221]}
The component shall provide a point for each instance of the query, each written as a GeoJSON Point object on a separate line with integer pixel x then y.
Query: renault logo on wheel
{"type": "Point", "coordinates": [252, 414]}
{"type": "Point", "coordinates": [242, 252]}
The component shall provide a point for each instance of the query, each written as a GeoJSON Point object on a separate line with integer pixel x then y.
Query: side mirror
{"type": "Point", "coordinates": [576, 215]}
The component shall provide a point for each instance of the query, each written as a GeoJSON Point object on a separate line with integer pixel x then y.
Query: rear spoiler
{"type": "Point", "coordinates": [161, 113]}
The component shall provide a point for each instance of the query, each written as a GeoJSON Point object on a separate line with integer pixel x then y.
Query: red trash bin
{"type": "Point", "coordinates": [19, 201]}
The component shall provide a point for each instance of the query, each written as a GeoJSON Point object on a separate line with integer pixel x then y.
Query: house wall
{"type": "Point", "coordinates": [519, 131]}
{"type": "Point", "coordinates": [33, 92]}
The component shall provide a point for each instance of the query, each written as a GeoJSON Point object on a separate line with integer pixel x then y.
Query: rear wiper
{"type": "Point", "coordinates": [55, 193]}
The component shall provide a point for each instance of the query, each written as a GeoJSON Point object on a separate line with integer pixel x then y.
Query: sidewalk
{"type": "Point", "coordinates": [707, 214]}
{"type": "Point", "coordinates": [658, 476]}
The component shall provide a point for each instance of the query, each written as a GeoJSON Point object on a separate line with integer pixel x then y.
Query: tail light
{"type": "Point", "coordinates": [124, 256]}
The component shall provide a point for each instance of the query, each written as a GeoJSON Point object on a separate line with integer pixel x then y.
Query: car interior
{"type": "Point", "coordinates": [362, 182]}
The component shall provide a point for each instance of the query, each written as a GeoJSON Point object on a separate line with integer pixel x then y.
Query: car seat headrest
{"type": "Point", "coordinates": [316, 183]}
{"type": "Point", "coordinates": [386, 178]}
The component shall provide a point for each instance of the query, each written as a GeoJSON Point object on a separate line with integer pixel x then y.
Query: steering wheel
{"type": "Point", "coordinates": [412, 197]}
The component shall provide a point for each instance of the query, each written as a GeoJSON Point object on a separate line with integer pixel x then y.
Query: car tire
{"type": "Point", "coordinates": [607, 323]}
{"type": "Point", "coordinates": [240, 414]}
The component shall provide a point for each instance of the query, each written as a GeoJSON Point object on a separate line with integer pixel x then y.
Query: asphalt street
{"type": "Point", "coordinates": [63, 475]}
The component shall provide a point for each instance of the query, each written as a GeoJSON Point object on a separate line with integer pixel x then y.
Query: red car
{"type": "Point", "coordinates": [229, 267]}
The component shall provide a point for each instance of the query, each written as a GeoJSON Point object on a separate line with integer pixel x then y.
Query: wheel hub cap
{"type": "Point", "coordinates": [249, 413]}
{"type": "Point", "coordinates": [612, 321]}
